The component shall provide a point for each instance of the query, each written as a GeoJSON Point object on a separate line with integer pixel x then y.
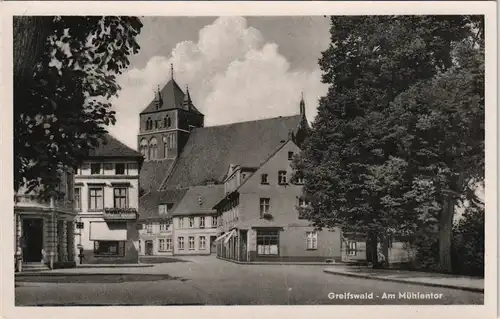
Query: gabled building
{"type": "Point", "coordinates": [107, 200]}
{"type": "Point", "coordinates": [195, 221]}
{"type": "Point", "coordinates": [259, 217]}
{"type": "Point", "coordinates": [44, 229]}
{"type": "Point", "coordinates": [156, 234]}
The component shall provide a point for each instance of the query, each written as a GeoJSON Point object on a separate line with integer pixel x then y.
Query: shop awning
{"type": "Point", "coordinates": [231, 234]}
{"type": "Point", "coordinates": [222, 236]}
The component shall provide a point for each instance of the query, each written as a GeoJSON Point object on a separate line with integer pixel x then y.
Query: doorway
{"type": "Point", "coordinates": [213, 245]}
{"type": "Point", "coordinates": [32, 240]}
{"type": "Point", "coordinates": [149, 247]}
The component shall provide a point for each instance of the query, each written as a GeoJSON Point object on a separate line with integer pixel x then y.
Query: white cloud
{"type": "Point", "coordinates": [233, 75]}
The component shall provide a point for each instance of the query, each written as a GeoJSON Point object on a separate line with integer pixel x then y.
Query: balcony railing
{"type": "Point", "coordinates": [120, 214]}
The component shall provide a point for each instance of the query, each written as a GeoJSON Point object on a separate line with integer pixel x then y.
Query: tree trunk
{"type": "Point", "coordinates": [30, 34]}
{"type": "Point", "coordinates": [445, 233]}
{"type": "Point", "coordinates": [371, 248]}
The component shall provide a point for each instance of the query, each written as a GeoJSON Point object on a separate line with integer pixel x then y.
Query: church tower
{"type": "Point", "coordinates": [165, 124]}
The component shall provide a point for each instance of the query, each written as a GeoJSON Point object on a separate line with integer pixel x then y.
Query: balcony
{"type": "Point", "coordinates": [120, 214]}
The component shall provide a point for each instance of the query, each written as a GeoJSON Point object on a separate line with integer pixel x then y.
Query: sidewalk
{"type": "Point", "coordinates": [412, 277]}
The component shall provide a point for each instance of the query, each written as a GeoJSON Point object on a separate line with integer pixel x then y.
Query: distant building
{"type": "Point", "coordinates": [107, 201]}
{"type": "Point", "coordinates": [44, 229]}
{"type": "Point", "coordinates": [195, 221]}
{"type": "Point", "coordinates": [187, 166]}
{"type": "Point", "coordinates": [259, 218]}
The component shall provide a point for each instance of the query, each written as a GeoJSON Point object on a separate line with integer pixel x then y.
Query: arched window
{"type": "Point", "coordinates": [169, 122]}
{"type": "Point", "coordinates": [149, 124]}
{"type": "Point", "coordinates": [143, 147]}
{"type": "Point", "coordinates": [153, 149]}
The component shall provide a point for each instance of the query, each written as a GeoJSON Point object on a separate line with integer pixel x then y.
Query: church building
{"type": "Point", "coordinates": [186, 166]}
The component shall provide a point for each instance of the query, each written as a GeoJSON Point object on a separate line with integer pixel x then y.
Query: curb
{"type": "Point", "coordinates": [278, 263]}
{"type": "Point", "coordinates": [473, 289]}
{"type": "Point", "coordinates": [115, 266]}
{"type": "Point", "coordinates": [74, 274]}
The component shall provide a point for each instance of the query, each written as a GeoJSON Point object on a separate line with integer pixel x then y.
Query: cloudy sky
{"type": "Point", "coordinates": [237, 68]}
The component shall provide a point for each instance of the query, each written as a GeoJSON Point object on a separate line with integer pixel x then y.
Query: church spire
{"type": "Point", "coordinates": [172, 70]}
{"type": "Point", "coordinates": [302, 105]}
{"type": "Point", "coordinates": [158, 98]}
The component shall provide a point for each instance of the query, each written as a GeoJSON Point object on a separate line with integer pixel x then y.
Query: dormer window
{"type": "Point", "coordinates": [120, 169]}
{"type": "Point", "coordinates": [282, 177]}
{"type": "Point", "coordinates": [162, 209]}
{"type": "Point", "coordinates": [290, 156]}
{"type": "Point", "coordinates": [95, 168]}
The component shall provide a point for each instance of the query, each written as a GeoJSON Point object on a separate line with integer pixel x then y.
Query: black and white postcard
{"type": "Point", "coordinates": [310, 158]}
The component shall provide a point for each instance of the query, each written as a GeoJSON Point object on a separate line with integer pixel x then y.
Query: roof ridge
{"type": "Point", "coordinates": [251, 121]}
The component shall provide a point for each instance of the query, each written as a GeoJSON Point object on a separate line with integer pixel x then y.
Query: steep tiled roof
{"type": "Point", "coordinates": [210, 150]}
{"type": "Point", "coordinates": [112, 147]}
{"type": "Point", "coordinates": [172, 97]}
{"type": "Point", "coordinates": [148, 204]}
{"type": "Point", "coordinates": [199, 200]}
{"type": "Point", "coordinates": [153, 173]}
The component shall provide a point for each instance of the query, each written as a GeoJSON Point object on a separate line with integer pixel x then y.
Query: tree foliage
{"type": "Point", "coordinates": [62, 91]}
{"type": "Point", "coordinates": [361, 159]}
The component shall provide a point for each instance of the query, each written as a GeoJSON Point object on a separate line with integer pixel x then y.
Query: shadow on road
{"type": "Point", "coordinates": [98, 279]}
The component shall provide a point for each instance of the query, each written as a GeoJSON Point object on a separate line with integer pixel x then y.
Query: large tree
{"type": "Point", "coordinates": [371, 60]}
{"type": "Point", "coordinates": [65, 72]}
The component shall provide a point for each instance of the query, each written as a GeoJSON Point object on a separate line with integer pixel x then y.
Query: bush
{"type": "Point", "coordinates": [468, 243]}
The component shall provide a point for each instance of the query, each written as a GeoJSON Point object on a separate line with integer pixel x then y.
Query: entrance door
{"type": "Point", "coordinates": [32, 240]}
{"type": "Point", "coordinates": [213, 245]}
{"type": "Point", "coordinates": [243, 245]}
{"type": "Point", "coordinates": [149, 247]}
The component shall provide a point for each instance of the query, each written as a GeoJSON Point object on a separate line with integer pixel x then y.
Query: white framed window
{"type": "Point", "coordinates": [203, 242]}
{"type": "Point", "coordinates": [120, 197]}
{"type": "Point", "coordinates": [351, 248]}
{"type": "Point", "coordinates": [149, 228]}
{"type": "Point", "coordinates": [169, 244]}
{"type": "Point", "coordinates": [290, 156]}
{"type": "Point", "coordinates": [181, 222]}
{"type": "Point", "coordinates": [264, 206]}
{"type": "Point", "coordinates": [78, 198]}
{"type": "Point", "coordinates": [263, 179]}
{"type": "Point", "coordinates": [312, 240]}
{"type": "Point", "coordinates": [180, 243]}
{"type": "Point", "coordinates": [191, 222]}
{"type": "Point", "coordinates": [214, 221]}
{"type": "Point", "coordinates": [162, 244]}
{"type": "Point", "coordinates": [120, 169]}
{"type": "Point", "coordinates": [162, 209]}
{"type": "Point", "coordinates": [267, 242]}
{"type": "Point", "coordinates": [191, 242]}
{"type": "Point", "coordinates": [96, 198]}
{"type": "Point", "coordinates": [163, 226]}
{"type": "Point", "coordinates": [282, 177]}
{"type": "Point", "coordinates": [202, 222]}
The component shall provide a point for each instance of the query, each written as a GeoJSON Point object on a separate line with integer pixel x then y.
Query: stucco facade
{"type": "Point", "coordinates": [261, 216]}
{"type": "Point", "coordinates": [107, 201]}
{"type": "Point", "coordinates": [191, 238]}
{"type": "Point", "coordinates": [43, 233]}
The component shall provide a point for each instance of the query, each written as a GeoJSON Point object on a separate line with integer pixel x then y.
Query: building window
{"type": "Point", "coordinates": [96, 198]}
{"type": "Point", "coordinates": [120, 168]}
{"type": "Point", "coordinates": [109, 248]}
{"type": "Point", "coordinates": [263, 179]}
{"type": "Point", "coordinates": [144, 148]}
{"type": "Point", "coordinates": [169, 244]}
{"type": "Point", "coordinates": [153, 149]}
{"type": "Point", "coordinates": [312, 240]}
{"type": "Point", "coordinates": [140, 245]}
{"type": "Point", "coordinates": [163, 226]}
{"type": "Point", "coordinates": [290, 156]}
{"type": "Point", "coordinates": [299, 181]}
{"type": "Point", "coordinates": [95, 168]}
{"type": "Point", "coordinates": [171, 139]}
{"type": "Point", "coordinates": [203, 242]}
{"type": "Point", "coordinates": [267, 242]}
{"type": "Point", "coordinates": [202, 222]}
{"type": "Point", "coordinates": [214, 221]}
{"type": "Point", "coordinates": [149, 124]}
{"type": "Point", "coordinates": [78, 198]}
{"type": "Point", "coordinates": [120, 197]}
{"type": "Point", "coordinates": [161, 245]}
{"type": "Point", "coordinates": [181, 222]}
{"type": "Point", "coordinates": [264, 206]}
{"type": "Point", "coordinates": [149, 228]}
{"type": "Point", "coordinates": [162, 209]}
{"type": "Point", "coordinates": [282, 177]}
{"type": "Point", "coordinates": [191, 243]}
{"type": "Point", "coordinates": [191, 222]}
{"type": "Point", "coordinates": [180, 243]}
{"type": "Point", "coordinates": [351, 248]}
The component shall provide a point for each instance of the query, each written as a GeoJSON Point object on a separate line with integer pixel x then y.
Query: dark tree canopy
{"type": "Point", "coordinates": [63, 83]}
{"type": "Point", "coordinates": [356, 155]}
